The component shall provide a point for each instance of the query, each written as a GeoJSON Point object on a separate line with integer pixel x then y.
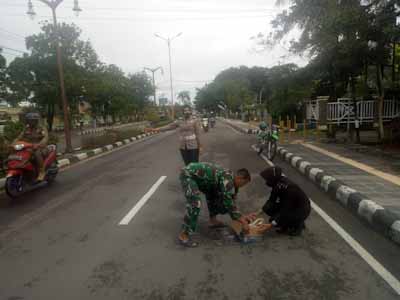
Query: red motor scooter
{"type": "Point", "coordinates": [22, 173]}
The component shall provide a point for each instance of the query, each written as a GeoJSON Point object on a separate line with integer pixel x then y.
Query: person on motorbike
{"type": "Point", "coordinates": [262, 135]}
{"type": "Point", "coordinates": [37, 135]}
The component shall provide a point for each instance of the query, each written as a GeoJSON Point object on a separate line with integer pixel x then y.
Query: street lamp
{"type": "Point", "coordinates": [169, 40]}
{"type": "Point", "coordinates": [154, 82]}
{"type": "Point", "coordinates": [53, 4]}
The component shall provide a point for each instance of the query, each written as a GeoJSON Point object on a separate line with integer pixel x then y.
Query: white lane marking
{"type": "Point", "coordinates": [368, 258]}
{"type": "Point", "coordinates": [129, 216]}
{"type": "Point", "coordinates": [263, 156]}
{"type": "Point", "coordinates": [235, 130]}
{"type": "Point", "coordinates": [360, 250]}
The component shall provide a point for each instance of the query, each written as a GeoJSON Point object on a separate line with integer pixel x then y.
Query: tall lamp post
{"type": "Point", "coordinates": [53, 4]}
{"type": "Point", "coordinates": [169, 40]}
{"type": "Point", "coordinates": [154, 81]}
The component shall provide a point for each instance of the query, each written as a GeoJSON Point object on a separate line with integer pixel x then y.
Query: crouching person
{"type": "Point", "coordinates": [288, 206]}
{"type": "Point", "coordinates": [219, 186]}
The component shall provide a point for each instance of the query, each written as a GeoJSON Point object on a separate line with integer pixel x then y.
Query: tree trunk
{"type": "Point", "coordinates": [50, 116]}
{"type": "Point", "coordinates": [381, 97]}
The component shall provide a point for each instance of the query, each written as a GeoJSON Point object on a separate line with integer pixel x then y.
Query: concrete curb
{"type": "Point", "coordinates": [382, 220]}
{"type": "Point", "coordinates": [62, 163]}
{"type": "Point", "coordinates": [66, 162]}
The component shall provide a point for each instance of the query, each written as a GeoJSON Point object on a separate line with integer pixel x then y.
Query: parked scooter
{"type": "Point", "coordinates": [22, 173]}
{"type": "Point", "coordinates": [204, 124]}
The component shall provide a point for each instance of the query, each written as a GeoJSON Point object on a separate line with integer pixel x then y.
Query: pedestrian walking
{"type": "Point", "coordinates": [189, 138]}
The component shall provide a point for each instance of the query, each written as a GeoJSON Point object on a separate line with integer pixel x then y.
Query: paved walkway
{"type": "Point", "coordinates": [374, 177]}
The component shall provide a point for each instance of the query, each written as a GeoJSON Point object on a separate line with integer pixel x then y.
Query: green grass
{"type": "Point", "coordinates": [109, 137]}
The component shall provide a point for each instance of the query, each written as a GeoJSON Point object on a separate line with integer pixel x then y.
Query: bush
{"type": "Point", "coordinates": [96, 141]}
{"type": "Point", "coordinates": [109, 137]}
{"type": "Point", "coordinates": [161, 123]}
{"type": "Point", "coordinates": [12, 130]}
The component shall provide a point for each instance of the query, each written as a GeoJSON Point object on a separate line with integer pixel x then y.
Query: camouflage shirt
{"type": "Point", "coordinates": [210, 177]}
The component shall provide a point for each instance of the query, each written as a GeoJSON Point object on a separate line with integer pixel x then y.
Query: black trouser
{"type": "Point", "coordinates": [287, 219]}
{"type": "Point", "coordinates": [215, 204]}
{"type": "Point", "coordinates": [190, 155]}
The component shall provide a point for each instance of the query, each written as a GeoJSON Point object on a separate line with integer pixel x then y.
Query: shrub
{"type": "Point", "coordinates": [12, 130]}
{"type": "Point", "coordinates": [109, 137]}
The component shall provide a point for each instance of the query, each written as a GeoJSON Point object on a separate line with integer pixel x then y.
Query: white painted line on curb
{"type": "Point", "coordinates": [360, 250]}
{"type": "Point", "coordinates": [129, 216]}
{"type": "Point", "coordinates": [97, 151]}
{"type": "Point", "coordinates": [368, 258]}
{"type": "Point", "coordinates": [81, 156]}
{"type": "Point", "coordinates": [235, 130]}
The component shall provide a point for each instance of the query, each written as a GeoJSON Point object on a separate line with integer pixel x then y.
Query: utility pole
{"type": "Point", "coordinates": [169, 40]}
{"type": "Point", "coordinates": [53, 4]}
{"type": "Point", "coordinates": [154, 81]}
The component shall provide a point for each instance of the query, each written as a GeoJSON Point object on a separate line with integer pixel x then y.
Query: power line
{"type": "Point", "coordinates": [156, 18]}
{"type": "Point", "coordinates": [167, 10]}
{"type": "Point", "coordinates": [12, 33]}
{"type": "Point", "coordinates": [9, 53]}
{"type": "Point", "coordinates": [12, 49]}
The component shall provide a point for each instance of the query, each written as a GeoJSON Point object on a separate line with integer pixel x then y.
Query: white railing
{"type": "Point", "coordinates": [343, 111]}
{"type": "Point", "coordinates": [366, 110]}
{"type": "Point", "coordinates": [312, 110]}
{"type": "Point", "coordinates": [391, 109]}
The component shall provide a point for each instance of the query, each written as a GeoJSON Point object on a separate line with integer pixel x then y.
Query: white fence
{"type": "Point", "coordinates": [312, 110]}
{"type": "Point", "coordinates": [344, 111]}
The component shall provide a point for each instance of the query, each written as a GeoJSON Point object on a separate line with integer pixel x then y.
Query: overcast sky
{"type": "Point", "coordinates": [215, 34]}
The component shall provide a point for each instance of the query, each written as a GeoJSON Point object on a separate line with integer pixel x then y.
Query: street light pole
{"type": "Point", "coordinates": [169, 40]}
{"type": "Point", "coordinates": [53, 6]}
{"type": "Point", "coordinates": [154, 81]}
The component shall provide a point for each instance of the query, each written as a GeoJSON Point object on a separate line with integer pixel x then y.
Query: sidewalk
{"type": "Point", "coordinates": [367, 185]}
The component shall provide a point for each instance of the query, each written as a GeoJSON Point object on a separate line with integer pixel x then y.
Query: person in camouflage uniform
{"type": "Point", "coordinates": [220, 187]}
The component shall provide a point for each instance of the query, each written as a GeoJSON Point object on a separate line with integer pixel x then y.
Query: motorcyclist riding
{"type": "Point", "coordinates": [262, 134]}
{"type": "Point", "coordinates": [38, 135]}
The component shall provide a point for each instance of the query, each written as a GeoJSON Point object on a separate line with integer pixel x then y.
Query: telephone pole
{"type": "Point", "coordinates": [154, 81]}
{"type": "Point", "coordinates": [53, 4]}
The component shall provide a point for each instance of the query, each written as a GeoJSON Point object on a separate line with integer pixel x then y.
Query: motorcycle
{"type": "Point", "coordinates": [204, 123]}
{"type": "Point", "coordinates": [269, 142]}
{"type": "Point", "coordinates": [212, 122]}
{"type": "Point", "coordinates": [22, 173]}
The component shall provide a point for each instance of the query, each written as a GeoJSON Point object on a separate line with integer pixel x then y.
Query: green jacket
{"type": "Point", "coordinates": [210, 177]}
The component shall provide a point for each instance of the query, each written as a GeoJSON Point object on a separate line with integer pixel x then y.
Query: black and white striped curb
{"type": "Point", "coordinates": [383, 220]}
{"type": "Point", "coordinates": [102, 129]}
{"type": "Point", "coordinates": [65, 162]}
{"type": "Point", "coordinates": [91, 131]}
{"type": "Point", "coordinates": [62, 163]}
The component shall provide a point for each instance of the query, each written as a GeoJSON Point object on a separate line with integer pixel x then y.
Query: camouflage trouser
{"type": "Point", "coordinates": [193, 203]}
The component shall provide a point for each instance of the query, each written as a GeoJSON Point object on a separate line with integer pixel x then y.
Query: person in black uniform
{"type": "Point", "coordinates": [288, 206]}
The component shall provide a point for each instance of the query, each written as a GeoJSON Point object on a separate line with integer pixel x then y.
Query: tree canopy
{"type": "Point", "coordinates": [108, 90]}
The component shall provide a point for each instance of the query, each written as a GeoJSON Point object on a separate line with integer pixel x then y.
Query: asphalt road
{"type": "Point", "coordinates": [65, 241]}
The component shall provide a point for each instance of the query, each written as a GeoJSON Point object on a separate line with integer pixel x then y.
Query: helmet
{"type": "Point", "coordinates": [263, 126]}
{"type": "Point", "coordinates": [32, 118]}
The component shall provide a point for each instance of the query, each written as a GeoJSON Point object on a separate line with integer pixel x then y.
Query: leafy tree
{"type": "Point", "coordinates": [34, 77]}
{"type": "Point", "coordinates": [3, 87]}
{"type": "Point", "coordinates": [185, 98]}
